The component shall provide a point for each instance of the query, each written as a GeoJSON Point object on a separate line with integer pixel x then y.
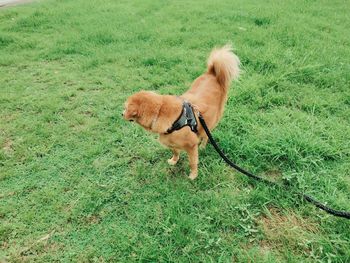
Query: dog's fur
{"type": "Point", "coordinates": [208, 95]}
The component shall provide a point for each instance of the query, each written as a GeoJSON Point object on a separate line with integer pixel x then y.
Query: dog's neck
{"type": "Point", "coordinates": [169, 111]}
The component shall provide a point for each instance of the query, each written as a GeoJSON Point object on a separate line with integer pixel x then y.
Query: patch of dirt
{"type": "Point", "coordinates": [88, 113]}
{"type": "Point", "coordinates": [7, 147]}
{"type": "Point", "coordinates": [93, 219]}
{"type": "Point", "coordinates": [257, 254]}
{"type": "Point", "coordinates": [286, 230]}
{"type": "Point", "coordinates": [273, 175]}
{"type": "Point", "coordinates": [7, 195]}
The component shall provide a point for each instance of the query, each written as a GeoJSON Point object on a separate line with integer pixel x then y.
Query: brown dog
{"type": "Point", "coordinates": [208, 95]}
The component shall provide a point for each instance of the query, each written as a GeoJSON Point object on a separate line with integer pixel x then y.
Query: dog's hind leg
{"type": "Point", "coordinates": [193, 158]}
{"type": "Point", "coordinates": [176, 155]}
{"type": "Point", "coordinates": [203, 142]}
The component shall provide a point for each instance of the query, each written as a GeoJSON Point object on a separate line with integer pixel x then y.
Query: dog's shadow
{"type": "Point", "coordinates": [182, 168]}
{"type": "Point", "coordinates": [178, 169]}
{"type": "Point", "coordinates": [174, 171]}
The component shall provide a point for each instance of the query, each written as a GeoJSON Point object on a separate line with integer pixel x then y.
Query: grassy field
{"type": "Point", "coordinates": [78, 184]}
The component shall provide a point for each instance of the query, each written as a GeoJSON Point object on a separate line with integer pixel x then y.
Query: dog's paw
{"type": "Point", "coordinates": [193, 176]}
{"type": "Point", "coordinates": [171, 161]}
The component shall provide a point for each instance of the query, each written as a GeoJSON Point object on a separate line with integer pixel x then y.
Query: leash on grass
{"type": "Point", "coordinates": [310, 199]}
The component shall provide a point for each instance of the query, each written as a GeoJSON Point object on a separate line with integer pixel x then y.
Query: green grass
{"type": "Point", "coordinates": [79, 184]}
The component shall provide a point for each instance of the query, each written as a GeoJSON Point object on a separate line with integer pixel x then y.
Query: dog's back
{"type": "Point", "coordinates": [209, 91]}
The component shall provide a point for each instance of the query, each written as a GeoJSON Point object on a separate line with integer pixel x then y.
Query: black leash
{"type": "Point", "coordinates": [308, 198]}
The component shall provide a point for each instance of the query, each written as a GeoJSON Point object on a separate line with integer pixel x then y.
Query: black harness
{"type": "Point", "coordinates": [186, 118]}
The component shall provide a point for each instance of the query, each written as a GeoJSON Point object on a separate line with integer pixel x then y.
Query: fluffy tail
{"type": "Point", "coordinates": [224, 65]}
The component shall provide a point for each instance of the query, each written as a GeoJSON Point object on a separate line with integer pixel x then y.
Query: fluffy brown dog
{"type": "Point", "coordinates": [208, 95]}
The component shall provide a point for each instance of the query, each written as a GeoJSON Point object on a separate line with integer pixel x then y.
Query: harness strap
{"type": "Point", "coordinates": [186, 118]}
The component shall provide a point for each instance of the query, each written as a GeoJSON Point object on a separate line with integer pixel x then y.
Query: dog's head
{"type": "Point", "coordinates": [143, 107]}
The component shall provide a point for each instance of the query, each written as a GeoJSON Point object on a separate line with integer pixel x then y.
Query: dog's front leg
{"type": "Point", "coordinates": [176, 155]}
{"type": "Point", "coordinates": [193, 158]}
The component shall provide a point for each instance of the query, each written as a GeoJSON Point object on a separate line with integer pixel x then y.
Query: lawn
{"type": "Point", "coordinates": [79, 184]}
